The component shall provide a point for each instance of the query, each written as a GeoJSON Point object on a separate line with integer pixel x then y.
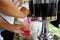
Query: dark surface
{"type": "Point", "coordinates": [59, 5]}
{"type": "Point", "coordinates": [7, 35]}
{"type": "Point", "coordinates": [56, 23]}
{"type": "Point", "coordinates": [30, 8]}
{"type": "Point", "coordinates": [44, 10]}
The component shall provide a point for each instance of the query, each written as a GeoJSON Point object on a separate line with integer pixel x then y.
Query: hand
{"type": "Point", "coordinates": [19, 2]}
{"type": "Point", "coordinates": [17, 28]}
{"type": "Point", "coordinates": [8, 8]}
{"type": "Point", "coordinates": [12, 28]}
{"type": "Point", "coordinates": [25, 11]}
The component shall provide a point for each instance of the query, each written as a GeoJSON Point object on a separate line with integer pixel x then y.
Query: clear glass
{"type": "Point", "coordinates": [44, 11]}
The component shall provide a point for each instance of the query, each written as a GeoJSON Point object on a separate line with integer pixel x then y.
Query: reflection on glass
{"type": "Point", "coordinates": [43, 10]}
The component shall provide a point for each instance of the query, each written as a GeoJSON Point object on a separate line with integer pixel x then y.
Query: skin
{"type": "Point", "coordinates": [9, 9]}
{"type": "Point", "coordinates": [12, 28]}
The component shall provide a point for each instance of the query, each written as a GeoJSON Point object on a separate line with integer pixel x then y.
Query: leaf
{"type": "Point", "coordinates": [54, 29]}
{"type": "Point", "coordinates": [17, 22]}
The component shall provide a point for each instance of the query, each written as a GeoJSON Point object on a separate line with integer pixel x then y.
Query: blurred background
{"type": "Point", "coordinates": [9, 35]}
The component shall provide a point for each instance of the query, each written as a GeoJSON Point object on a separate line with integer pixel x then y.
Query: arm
{"type": "Point", "coordinates": [7, 8]}
{"type": "Point", "coordinates": [5, 25]}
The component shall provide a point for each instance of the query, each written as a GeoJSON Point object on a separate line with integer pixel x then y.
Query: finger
{"type": "Point", "coordinates": [21, 1]}
{"type": "Point", "coordinates": [20, 26]}
{"type": "Point", "coordinates": [17, 4]}
{"type": "Point", "coordinates": [7, 8]}
{"type": "Point", "coordinates": [18, 31]}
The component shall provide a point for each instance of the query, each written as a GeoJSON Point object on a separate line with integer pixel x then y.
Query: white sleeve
{"type": "Point", "coordinates": [8, 19]}
{"type": "Point", "coordinates": [1, 38]}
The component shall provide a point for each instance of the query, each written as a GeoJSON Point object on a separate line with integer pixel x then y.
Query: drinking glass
{"type": "Point", "coordinates": [43, 11]}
